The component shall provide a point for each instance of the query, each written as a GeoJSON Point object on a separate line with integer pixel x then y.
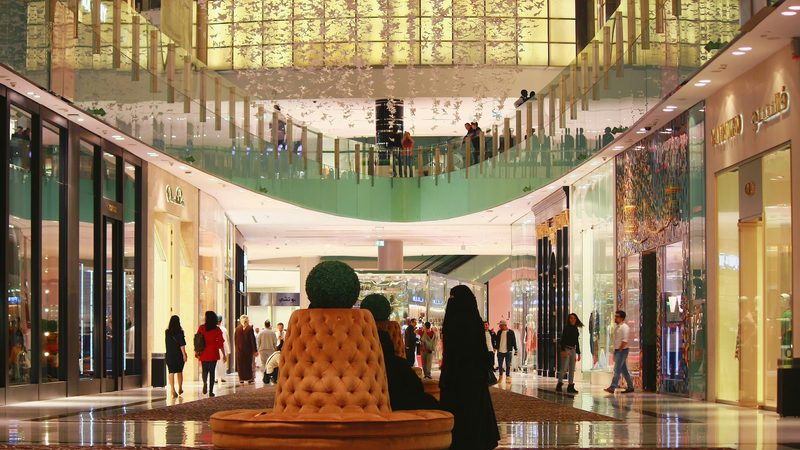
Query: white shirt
{"type": "Point", "coordinates": [489, 345]}
{"type": "Point", "coordinates": [621, 334]}
{"type": "Point", "coordinates": [273, 362]}
{"type": "Point", "coordinates": [502, 346]}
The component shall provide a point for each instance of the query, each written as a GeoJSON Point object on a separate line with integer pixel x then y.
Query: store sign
{"type": "Point", "coordinates": [727, 130]}
{"type": "Point", "coordinates": [772, 110]}
{"type": "Point", "coordinates": [175, 197]}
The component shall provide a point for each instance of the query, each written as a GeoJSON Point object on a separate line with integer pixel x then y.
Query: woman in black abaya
{"type": "Point", "coordinates": [465, 369]}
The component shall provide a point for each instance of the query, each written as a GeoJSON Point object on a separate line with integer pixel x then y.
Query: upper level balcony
{"type": "Point", "coordinates": [110, 61]}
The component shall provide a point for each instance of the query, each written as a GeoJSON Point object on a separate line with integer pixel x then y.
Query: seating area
{"type": "Point", "coordinates": [332, 393]}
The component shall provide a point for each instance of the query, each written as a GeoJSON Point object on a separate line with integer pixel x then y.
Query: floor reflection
{"type": "Point", "coordinates": [645, 420]}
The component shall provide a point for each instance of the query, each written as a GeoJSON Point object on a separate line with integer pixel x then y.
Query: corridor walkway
{"type": "Point", "coordinates": [646, 420]}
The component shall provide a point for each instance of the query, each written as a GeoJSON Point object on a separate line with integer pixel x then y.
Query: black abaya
{"type": "Point", "coordinates": [465, 369]}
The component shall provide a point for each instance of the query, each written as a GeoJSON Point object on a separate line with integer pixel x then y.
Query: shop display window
{"type": "Point", "coordinates": [593, 265]}
{"type": "Point", "coordinates": [755, 273]}
{"type": "Point", "coordinates": [20, 252]}
{"type": "Point", "coordinates": [52, 158]}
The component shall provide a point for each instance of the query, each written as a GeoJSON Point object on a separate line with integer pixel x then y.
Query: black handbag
{"type": "Point", "coordinates": [492, 378]}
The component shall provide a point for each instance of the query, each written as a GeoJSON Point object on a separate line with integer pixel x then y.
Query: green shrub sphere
{"type": "Point", "coordinates": [378, 305]}
{"type": "Point", "coordinates": [332, 284]}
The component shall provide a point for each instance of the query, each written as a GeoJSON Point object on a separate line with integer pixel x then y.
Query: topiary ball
{"type": "Point", "coordinates": [378, 305]}
{"type": "Point", "coordinates": [332, 284]}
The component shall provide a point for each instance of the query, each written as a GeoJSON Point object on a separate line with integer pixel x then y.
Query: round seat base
{"type": "Point", "coordinates": [257, 429]}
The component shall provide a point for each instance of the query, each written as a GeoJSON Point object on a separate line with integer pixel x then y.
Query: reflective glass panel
{"type": "Point", "coordinates": [51, 161]}
{"type": "Point", "coordinates": [86, 261]}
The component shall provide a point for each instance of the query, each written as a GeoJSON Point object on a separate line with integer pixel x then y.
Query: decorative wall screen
{"type": "Point", "coordinates": [245, 34]}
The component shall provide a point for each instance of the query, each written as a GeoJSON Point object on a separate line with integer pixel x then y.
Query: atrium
{"type": "Point", "coordinates": [399, 224]}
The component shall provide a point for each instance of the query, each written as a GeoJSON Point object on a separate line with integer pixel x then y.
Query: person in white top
{"type": "Point", "coordinates": [491, 343]}
{"type": "Point", "coordinates": [271, 367]}
{"type": "Point", "coordinates": [222, 369]}
{"type": "Point", "coordinates": [267, 343]}
{"type": "Point", "coordinates": [621, 350]}
{"type": "Point", "coordinates": [506, 343]}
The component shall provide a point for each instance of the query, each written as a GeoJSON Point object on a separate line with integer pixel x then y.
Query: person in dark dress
{"type": "Point", "coordinates": [465, 372]}
{"type": "Point", "coordinates": [176, 354]}
{"type": "Point", "coordinates": [246, 349]}
{"type": "Point", "coordinates": [405, 387]}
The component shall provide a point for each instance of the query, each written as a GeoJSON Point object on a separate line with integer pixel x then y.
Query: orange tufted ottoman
{"type": "Point", "coordinates": [332, 394]}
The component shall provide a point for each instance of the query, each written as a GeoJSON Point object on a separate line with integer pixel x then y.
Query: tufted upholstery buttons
{"type": "Point", "coordinates": [332, 361]}
{"type": "Point", "coordinates": [393, 329]}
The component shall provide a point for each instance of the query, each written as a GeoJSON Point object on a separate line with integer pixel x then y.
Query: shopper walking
{"type": "Point", "coordinates": [621, 350]}
{"type": "Point", "coordinates": [267, 343]}
{"type": "Point", "coordinates": [506, 344]}
{"type": "Point", "coordinates": [491, 343]}
{"type": "Point", "coordinates": [570, 350]}
{"type": "Point", "coordinates": [281, 335]}
{"type": "Point", "coordinates": [410, 338]}
{"type": "Point", "coordinates": [465, 370]}
{"type": "Point", "coordinates": [246, 349]}
{"type": "Point", "coordinates": [176, 354]}
{"type": "Point", "coordinates": [213, 343]}
{"type": "Point", "coordinates": [222, 369]}
{"type": "Point", "coordinates": [427, 342]}
{"type": "Point", "coordinates": [406, 155]}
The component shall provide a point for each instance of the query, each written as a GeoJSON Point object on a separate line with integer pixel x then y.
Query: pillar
{"type": "Point", "coordinates": [306, 264]}
{"type": "Point", "coordinates": [390, 255]}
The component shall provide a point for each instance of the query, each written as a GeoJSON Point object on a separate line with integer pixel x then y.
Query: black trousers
{"type": "Point", "coordinates": [411, 356]}
{"type": "Point", "coordinates": [209, 369]}
{"type": "Point", "coordinates": [490, 355]}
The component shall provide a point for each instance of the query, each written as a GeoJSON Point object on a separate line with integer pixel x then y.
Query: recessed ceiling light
{"type": "Point", "coordinates": [672, 107]}
{"type": "Point", "coordinates": [30, 93]}
{"type": "Point", "coordinates": [699, 84]}
{"type": "Point", "coordinates": [737, 53]}
{"type": "Point", "coordinates": [789, 13]}
{"type": "Point", "coordinates": [704, 81]}
{"type": "Point", "coordinates": [668, 110]}
{"type": "Point", "coordinates": [152, 154]}
{"type": "Point", "coordinates": [795, 8]}
{"type": "Point", "coordinates": [745, 49]}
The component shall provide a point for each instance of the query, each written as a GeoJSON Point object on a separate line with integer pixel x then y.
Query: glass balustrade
{"type": "Point", "coordinates": [113, 63]}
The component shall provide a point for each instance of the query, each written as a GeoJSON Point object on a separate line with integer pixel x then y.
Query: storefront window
{"type": "Point", "coordinates": [86, 262]}
{"type": "Point", "coordinates": [755, 273]}
{"type": "Point", "coordinates": [19, 254]}
{"type": "Point", "coordinates": [51, 231]}
{"type": "Point", "coordinates": [777, 269]}
{"type": "Point", "coordinates": [593, 264]}
{"type": "Point", "coordinates": [131, 227]}
{"type": "Point", "coordinates": [631, 306]}
{"type": "Point", "coordinates": [110, 176]}
{"type": "Point", "coordinates": [728, 349]}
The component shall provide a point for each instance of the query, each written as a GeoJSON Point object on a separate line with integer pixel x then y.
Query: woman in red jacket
{"type": "Point", "coordinates": [406, 155]}
{"type": "Point", "coordinates": [210, 355]}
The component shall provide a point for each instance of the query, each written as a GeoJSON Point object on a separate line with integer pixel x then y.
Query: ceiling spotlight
{"type": "Point", "coordinates": [745, 49]}
{"type": "Point", "coordinates": [789, 13]}
{"type": "Point", "coordinates": [152, 154]}
{"type": "Point", "coordinates": [795, 8]}
{"type": "Point", "coordinates": [618, 147]}
{"type": "Point", "coordinates": [704, 81]}
{"type": "Point", "coordinates": [737, 53]}
{"type": "Point", "coordinates": [668, 110]}
{"type": "Point", "coordinates": [699, 84]}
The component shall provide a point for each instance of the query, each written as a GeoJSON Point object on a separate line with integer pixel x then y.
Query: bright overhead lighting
{"type": "Point", "coordinates": [789, 13]}
{"type": "Point", "coordinates": [30, 93]}
{"type": "Point", "coordinates": [745, 49]}
{"type": "Point", "coordinates": [668, 110]}
{"type": "Point", "coordinates": [618, 147]}
{"type": "Point", "coordinates": [183, 168]}
{"type": "Point", "coordinates": [699, 84]}
{"type": "Point", "coordinates": [117, 137]}
{"type": "Point", "coordinates": [737, 53]}
{"type": "Point", "coordinates": [704, 81]}
{"type": "Point", "coordinates": [152, 154]}
{"type": "Point", "coordinates": [795, 8]}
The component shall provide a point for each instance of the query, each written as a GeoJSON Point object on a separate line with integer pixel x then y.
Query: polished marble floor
{"type": "Point", "coordinates": [646, 420]}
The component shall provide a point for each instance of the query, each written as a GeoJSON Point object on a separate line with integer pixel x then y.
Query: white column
{"type": "Point", "coordinates": [390, 255]}
{"type": "Point", "coordinates": [306, 264]}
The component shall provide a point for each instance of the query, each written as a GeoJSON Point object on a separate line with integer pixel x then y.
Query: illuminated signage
{"type": "Point", "coordinates": [772, 110]}
{"type": "Point", "coordinates": [727, 130]}
{"type": "Point", "coordinates": [175, 197]}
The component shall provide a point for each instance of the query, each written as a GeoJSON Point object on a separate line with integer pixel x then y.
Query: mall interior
{"type": "Point", "coordinates": [172, 157]}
